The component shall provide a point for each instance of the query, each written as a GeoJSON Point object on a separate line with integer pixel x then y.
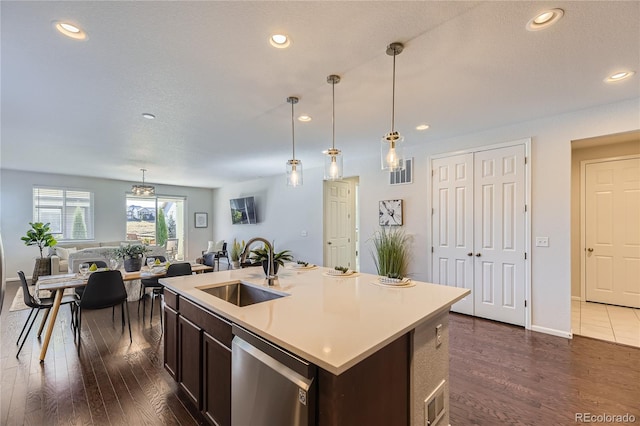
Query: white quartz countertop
{"type": "Point", "coordinates": [333, 322]}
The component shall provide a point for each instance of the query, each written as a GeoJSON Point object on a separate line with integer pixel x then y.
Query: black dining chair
{"type": "Point", "coordinates": [45, 303]}
{"type": "Point", "coordinates": [146, 283]}
{"type": "Point", "coordinates": [174, 270]}
{"type": "Point", "coordinates": [103, 290]}
{"type": "Point", "coordinates": [99, 264]}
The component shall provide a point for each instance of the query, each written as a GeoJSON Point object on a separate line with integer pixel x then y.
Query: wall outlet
{"type": "Point", "coordinates": [434, 408]}
{"type": "Point", "coordinates": [438, 335]}
{"type": "Point", "coordinates": [303, 233]}
{"type": "Point", "coordinates": [542, 241]}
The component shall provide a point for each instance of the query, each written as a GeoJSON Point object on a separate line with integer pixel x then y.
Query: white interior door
{"type": "Point", "coordinates": [612, 232]}
{"type": "Point", "coordinates": [499, 238]}
{"type": "Point", "coordinates": [338, 224]}
{"type": "Point", "coordinates": [452, 225]}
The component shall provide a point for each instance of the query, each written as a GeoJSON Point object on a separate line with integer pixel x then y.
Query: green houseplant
{"type": "Point", "coordinates": [235, 253]}
{"type": "Point", "coordinates": [261, 255]}
{"type": "Point", "coordinates": [40, 235]}
{"type": "Point", "coordinates": [391, 252]}
{"type": "Point", "coordinates": [132, 255]}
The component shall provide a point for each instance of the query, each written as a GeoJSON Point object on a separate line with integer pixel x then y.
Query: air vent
{"type": "Point", "coordinates": [402, 176]}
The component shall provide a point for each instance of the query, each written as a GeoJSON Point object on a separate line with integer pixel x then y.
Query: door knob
{"type": "Point", "coordinates": [329, 242]}
{"type": "Point", "coordinates": [478, 254]}
{"type": "Point", "coordinates": [469, 254]}
{"type": "Point", "coordinates": [590, 250]}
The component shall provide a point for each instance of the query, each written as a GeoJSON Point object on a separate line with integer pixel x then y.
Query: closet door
{"type": "Point", "coordinates": [452, 225]}
{"type": "Point", "coordinates": [499, 237]}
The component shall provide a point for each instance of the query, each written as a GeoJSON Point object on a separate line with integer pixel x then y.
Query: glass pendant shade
{"type": "Point", "coordinates": [294, 173]}
{"type": "Point", "coordinates": [333, 164]}
{"type": "Point", "coordinates": [392, 152]}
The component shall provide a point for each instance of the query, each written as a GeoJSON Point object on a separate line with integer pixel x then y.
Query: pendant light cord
{"type": "Point", "coordinates": [293, 133]}
{"type": "Point", "coordinates": [393, 94]}
{"type": "Point", "coordinates": [333, 114]}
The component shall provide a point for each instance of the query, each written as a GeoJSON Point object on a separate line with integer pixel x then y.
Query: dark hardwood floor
{"type": "Point", "coordinates": [108, 381]}
{"type": "Point", "coordinates": [500, 374]}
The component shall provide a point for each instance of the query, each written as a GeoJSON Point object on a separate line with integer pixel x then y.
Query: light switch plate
{"type": "Point", "coordinates": [542, 241]}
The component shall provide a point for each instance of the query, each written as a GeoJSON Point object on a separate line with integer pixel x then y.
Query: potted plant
{"type": "Point", "coordinates": [391, 252]}
{"type": "Point", "coordinates": [40, 235]}
{"type": "Point", "coordinates": [235, 253]}
{"type": "Point", "coordinates": [132, 255]}
{"type": "Point", "coordinates": [262, 255]}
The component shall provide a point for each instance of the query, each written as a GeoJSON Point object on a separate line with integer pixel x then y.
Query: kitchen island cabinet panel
{"type": "Point", "coordinates": [216, 376]}
{"type": "Point", "coordinates": [171, 341]}
{"type": "Point", "coordinates": [373, 392]}
{"type": "Point", "coordinates": [190, 359]}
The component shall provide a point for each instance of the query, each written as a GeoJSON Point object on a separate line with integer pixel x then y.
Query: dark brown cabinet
{"type": "Point", "coordinates": [216, 369]}
{"type": "Point", "coordinates": [171, 341]}
{"type": "Point", "coordinates": [198, 355]}
{"type": "Point", "coordinates": [189, 359]}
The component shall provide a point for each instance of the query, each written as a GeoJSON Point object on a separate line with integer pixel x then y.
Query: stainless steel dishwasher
{"type": "Point", "coordinates": [269, 386]}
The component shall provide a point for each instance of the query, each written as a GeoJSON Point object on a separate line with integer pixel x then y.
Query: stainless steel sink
{"type": "Point", "coordinates": [241, 294]}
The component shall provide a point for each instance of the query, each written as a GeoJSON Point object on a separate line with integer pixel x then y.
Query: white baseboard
{"type": "Point", "coordinates": [552, 331]}
{"type": "Point", "coordinates": [578, 298]}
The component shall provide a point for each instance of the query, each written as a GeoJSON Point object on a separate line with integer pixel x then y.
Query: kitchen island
{"type": "Point", "coordinates": [379, 351]}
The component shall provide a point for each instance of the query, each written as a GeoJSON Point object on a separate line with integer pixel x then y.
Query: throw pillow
{"type": "Point", "coordinates": [63, 253]}
{"type": "Point", "coordinates": [214, 247]}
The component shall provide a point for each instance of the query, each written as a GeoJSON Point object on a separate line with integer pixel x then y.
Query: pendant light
{"type": "Point", "coordinates": [294, 167]}
{"type": "Point", "coordinates": [143, 190]}
{"type": "Point", "coordinates": [391, 150]}
{"type": "Point", "coordinates": [333, 159]}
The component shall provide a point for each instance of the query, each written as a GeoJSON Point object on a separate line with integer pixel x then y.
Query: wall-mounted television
{"type": "Point", "coordinates": [243, 211]}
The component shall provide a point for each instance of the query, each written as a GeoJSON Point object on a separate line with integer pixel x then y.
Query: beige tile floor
{"type": "Point", "coordinates": [606, 322]}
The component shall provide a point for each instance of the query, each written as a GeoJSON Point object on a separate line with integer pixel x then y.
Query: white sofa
{"type": "Point", "coordinates": [66, 257]}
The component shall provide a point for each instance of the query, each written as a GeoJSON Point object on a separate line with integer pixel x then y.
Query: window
{"type": "Point", "coordinates": [69, 211]}
{"type": "Point", "coordinates": [157, 221]}
{"type": "Point", "coordinates": [402, 176]}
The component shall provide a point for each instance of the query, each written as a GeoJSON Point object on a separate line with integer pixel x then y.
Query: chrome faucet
{"type": "Point", "coordinates": [272, 279]}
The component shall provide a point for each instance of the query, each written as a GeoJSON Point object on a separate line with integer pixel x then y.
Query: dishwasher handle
{"type": "Point", "coordinates": [295, 363]}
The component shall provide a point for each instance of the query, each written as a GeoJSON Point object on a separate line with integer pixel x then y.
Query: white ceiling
{"type": "Point", "coordinates": [218, 88]}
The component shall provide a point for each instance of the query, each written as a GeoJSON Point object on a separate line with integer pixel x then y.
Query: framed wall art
{"type": "Point", "coordinates": [201, 219]}
{"type": "Point", "coordinates": [390, 212]}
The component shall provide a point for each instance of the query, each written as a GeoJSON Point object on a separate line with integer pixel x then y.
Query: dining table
{"type": "Point", "coordinates": [57, 284]}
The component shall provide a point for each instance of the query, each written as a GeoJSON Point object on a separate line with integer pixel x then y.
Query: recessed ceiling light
{"type": "Point", "coordinates": [280, 41]}
{"type": "Point", "coordinates": [422, 127]}
{"type": "Point", "coordinates": [544, 19]}
{"type": "Point", "coordinates": [148, 116]}
{"type": "Point", "coordinates": [70, 30]}
{"type": "Point", "coordinates": [304, 118]}
{"type": "Point", "coordinates": [621, 75]}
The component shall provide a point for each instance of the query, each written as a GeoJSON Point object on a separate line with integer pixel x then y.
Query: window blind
{"type": "Point", "coordinates": [69, 211]}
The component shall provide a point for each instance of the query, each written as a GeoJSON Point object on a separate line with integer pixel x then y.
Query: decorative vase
{"type": "Point", "coordinates": [265, 266]}
{"type": "Point", "coordinates": [133, 265]}
{"type": "Point", "coordinates": [235, 264]}
{"type": "Point", "coordinates": [41, 268]}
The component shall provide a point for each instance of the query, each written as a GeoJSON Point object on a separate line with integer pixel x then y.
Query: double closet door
{"type": "Point", "coordinates": [478, 228]}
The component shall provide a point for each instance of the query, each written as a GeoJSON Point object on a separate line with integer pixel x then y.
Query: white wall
{"type": "Point", "coordinates": [285, 212]}
{"type": "Point", "coordinates": [109, 218]}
